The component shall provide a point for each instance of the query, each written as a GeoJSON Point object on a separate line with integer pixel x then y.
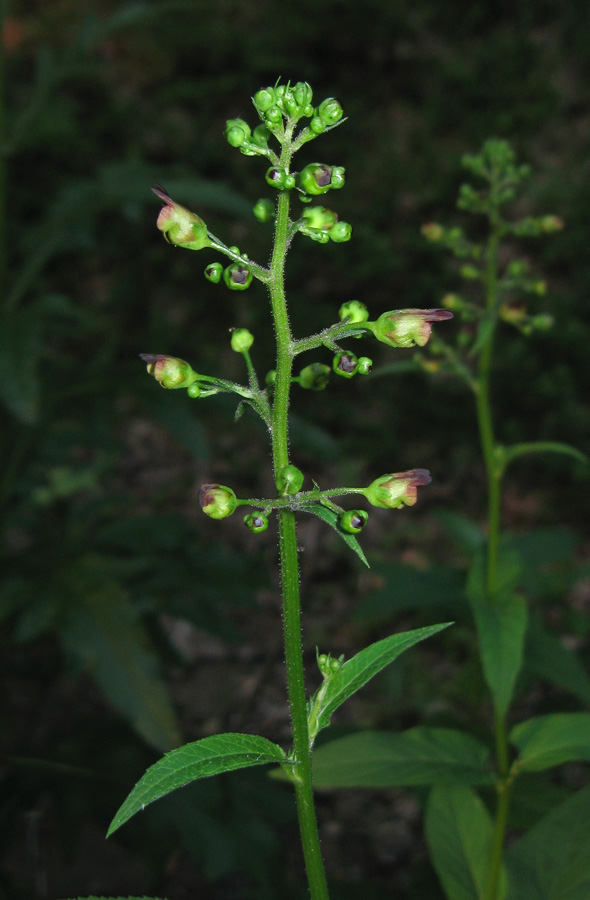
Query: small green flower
{"type": "Point", "coordinates": [237, 277]}
{"type": "Point", "coordinates": [180, 226]}
{"type": "Point", "coordinates": [353, 520]}
{"type": "Point", "coordinates": [169, 371]}
{"type": "Point", "coordinates": [407, 327]}
{"type": "Point", "coordinates": [330, 111]}
{"type": "Point", "coordinates": [317, 178]}
{"type": "Point", "coordinates": [397, 490]}
{"type": "Point", "coordinates": [353, 311]}
{"type": "Point", "coordinates": [314, 377]}
{"type": "Point", "coordinates": [213, 272]}
{"type": "Point", "coordinates": [256, 522]}
{"type": "Point", "coordinates": [345, 364]}
{"type": "Point", "coordinates": [217, 501]}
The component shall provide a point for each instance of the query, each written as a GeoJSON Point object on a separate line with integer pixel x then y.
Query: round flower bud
{"type": "Point", "coordinates": [345, 364]}
{"type": "Point", "coordinates": [277, 177]}
{"type": "Point", "coordinates": [237, 132]}
{"type": "Point", "coordinates": [397, 490]}
{"type": "Point", "coordinates": [270, 377]}
{"type": "Point", "coordinates": [264, 210]}
{"type": "Point", "coordinates": [241, 340]}
{"type": "Point", "coordinates": [324, 663]}
{"type": "Point", "coordinates": [550, 224]}
{"type": "Point", "coordinates": [330, 111]}
{"type": "Point", "coordinates": [317, 125]}
{"type": "Point", "coordinates": [194, 390]}
{"type": "Point", "coordinates": [314, 377]}
{"type": "Point", "coordinates": [169, 371]}
{"type": "Point", "coordinates": [353, 311]}
{"type": "Point", "coordinates": [213, 272]}
{"type": "Point", "coordinates": [432, 231]}
{"type": "Point", "coordinates": [256, 522]}
{"type": "Point", "coordinates": [364, 365]}
{"type": "Point", "coordinates": [289, 480]}
{"type": "Point", "coordinates": [237, 277]}
{"type": "Point", "coordinates": [263, 99]}
{"type": "Point", "coordinates": [217, 501]}
{"type": "Point", "coordinates": [319, 217]}
{"type": "Point", "coordinates": [303, 94]}
{"type": "Point", "coordinates": [180, 226]}
{"type": "Point", "coordinates": [273, 116]}
{"type": "Point", "coordinates": [407, 327]}
{"type": "Point", "coordinates": [341, 232]}
{"type": "Point", "coordinates": [353, 520]}
{"type": "Point", "coordinates": [260, 136]}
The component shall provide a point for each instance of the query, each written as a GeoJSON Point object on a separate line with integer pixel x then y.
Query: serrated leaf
{"type": "Point", "coordinates": [331, 519]}
{"type": "Point", "coordinates": [200, 759]}
{"type": "Point", "coordinates": [551, 740]}
{"type": "Point", "coordinates": [501, 623]}
{"type": "Point", "coordinates": [357, 671]}
{"type": "Point", "coordinates": [419, 756]}
{"type": "Point", "coordinates": [459, 835]}
{"type": "Point", "coordinates": [552, 861]}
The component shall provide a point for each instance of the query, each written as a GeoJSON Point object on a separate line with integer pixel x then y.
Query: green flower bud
{"type": "Point", "coordinates": [330, 111]}
{"type": "Point", "coordinates": [289, 481]}
{"type": "Point", "coordinates": [270, 377]}
{"type": "Point", "coordinates": [194, 390]}
{"type": "Point", "coordinates": [264, 210]}
{"type": "Point", "coordinates": [317, 125]}
{"type": "Point", "coordinates": [469, 272]}
{"type": "Point", "coordinates": [542, 322]}
{"type": "Point", "coordinates": [256, 522]}
{"type": "Point", "coordinates": [319, 217]}
{"type": "Point", "coordinates": [397, 490]}
{"type": "Point", "coordinates": [303, 94]}
{"type": "Point", "coordinates": [180, 226]}
{"type": "Point", "coordinates": [407, 327]}
{"type": "Point", "coordinates": [237, 132]}
{"type": "Point", "coordinates": [314, 377]}
{"type": "Point", "coordinates": [317, 178]}
{"type": "Point", "coordinates": [345, 364]}
{"type": "Point", "coordinates": [217, 501]}
{"type": "Point", "coordinates": [364, 365]}
{"type": "Point", "coordinates": [328, 665]}
{"type": "Point", "coordinates": [353, 520]}
{"type": "Point", "coordinates": [241, 340]}
{"type": "Point", "coordinates": [353, 311]}
{"type": "Point", "coordinates": [273, 116]}
{"type": "Point", "coordinates": [263, 99]}
{"type": "Point", "coordinates": [550, 224]}
{"type": "Point", "coordinates": [169, 371]}
{"type": "Point", "coordinates": [260, 136]}
{"type": "Point", "coordinates": [341, 232]}
{"type": "Point", "coordinates": [213, 272]}
{"type": "Point", "coordinates": [237, 277]}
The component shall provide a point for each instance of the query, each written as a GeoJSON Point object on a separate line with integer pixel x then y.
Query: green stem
{"type": "Point", "coordinates": [504, 790]}
{"type": "Point", "coordinates": [289, 559]}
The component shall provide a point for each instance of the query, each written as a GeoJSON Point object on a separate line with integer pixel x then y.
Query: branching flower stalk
{"type": "Point", "coordinates": [281, 109]}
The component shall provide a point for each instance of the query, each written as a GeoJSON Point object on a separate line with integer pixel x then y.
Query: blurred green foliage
{"type": "Point", "coordinates": [98, 536]}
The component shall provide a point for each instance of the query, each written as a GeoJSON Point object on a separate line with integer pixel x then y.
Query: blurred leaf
{"type": "Point", "coordinates": [20, 352]}
{"type": "Point", "coordinates": [459, 835]}
{"type": "Point", "coordinates": [331, 518]}
{"type": "Point", "coordinates": [408, 588]}
{"type": "Point", "coordinates": [501, 623]}
{"type": "Point", "coordinates": [547, 658]}
{"type": "Point", "coordinates": [464, 530]}
{"type": "Point", "coordinates": [421, 755]}
{"type": "Point", "coordinates": [551, 740]}
{"type": "Point", "coordinates": [103, 631]}
{"type": "Point", "coordinates": [552, 861]}
{"type": "Point", "coordinates": [517, 450]}
{"type": "Point", "coordinates": [200, 759]}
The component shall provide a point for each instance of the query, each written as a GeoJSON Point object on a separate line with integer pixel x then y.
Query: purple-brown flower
{"type": "Point", "coordinates": [407, 327]}
{"type": "Point", "coordinates": [397, 490]}
{"type": "Point", "coordinates": [179, 225]}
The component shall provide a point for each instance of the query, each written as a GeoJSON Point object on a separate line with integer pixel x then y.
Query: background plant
{"type": "Point", "coordinates": [146, 103]}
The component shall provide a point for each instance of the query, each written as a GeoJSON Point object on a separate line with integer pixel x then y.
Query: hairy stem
{"type": "Point", "coordinates": [289, 559]}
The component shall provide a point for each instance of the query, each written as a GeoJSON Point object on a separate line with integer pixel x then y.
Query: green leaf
{"type": "Point", "coordinates": [201, 759]}
{"type": "Point", "coordinates": [102, 630]}
{"type": "Point", "coordinates": [501, 624]}
{"type": "Point", "coordinates": [459, 835]}
{"type": "Point", "coordinates": [516, 450]}
{"type": "Point", "coordinates": [402, 587]}
{"type": "Point", "coordinates": [419, 756]}
{"type": "Point", "coordinates": [20, 351]}
{"type": "Point", "coordinates": [331, 518]}
{"type": "Point", "coordinates": [547, 658]}
{"type": "Point", "coordinates": [357, 671]}
{"type": "Point", "coordinates": [552, 861]}
{"type": "Point", "coordinates": [551, 740]}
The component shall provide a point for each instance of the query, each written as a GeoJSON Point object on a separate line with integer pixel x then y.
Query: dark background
{"type": "Point", "coordinates": [127, 619]}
